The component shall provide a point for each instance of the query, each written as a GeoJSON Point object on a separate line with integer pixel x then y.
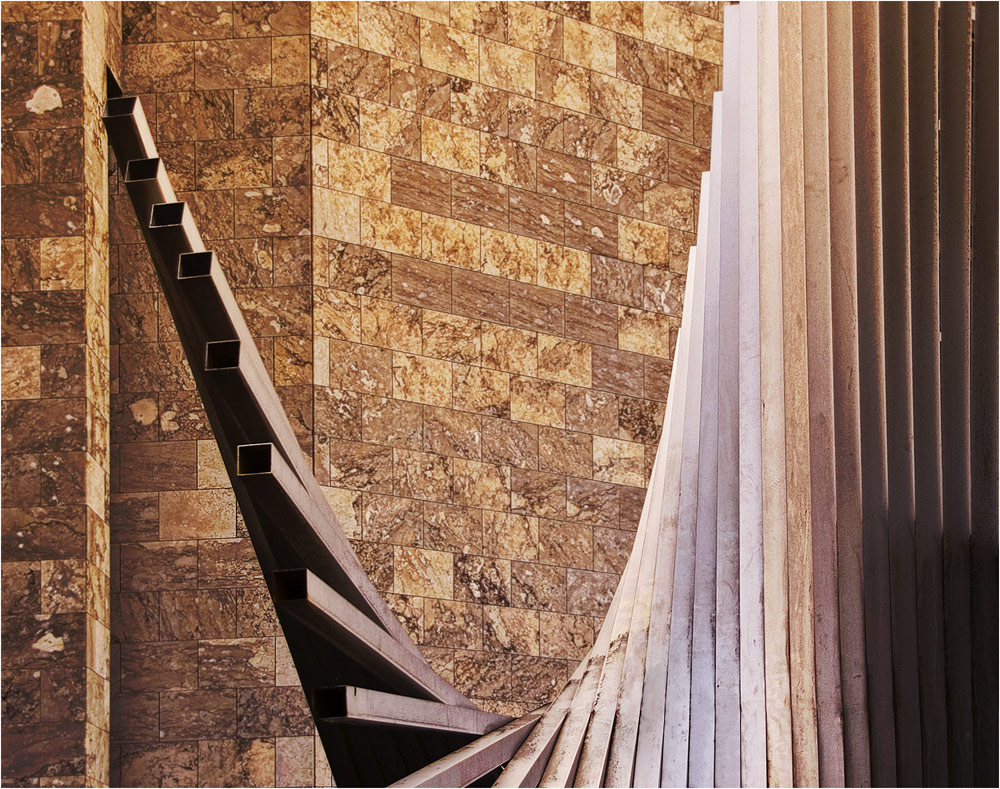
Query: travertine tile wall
{"type": "Point", "coordinates": [460, 233]}
{"type": "Point", "coordinates": [55, 392]}
{"type": "Point", "coordinates": [503, 199]}
{"type": "Point", "coordinates": [204, 690]}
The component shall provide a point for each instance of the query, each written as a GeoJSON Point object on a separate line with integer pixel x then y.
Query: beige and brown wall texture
{"type": "Point", "coordinates": [459, 232]}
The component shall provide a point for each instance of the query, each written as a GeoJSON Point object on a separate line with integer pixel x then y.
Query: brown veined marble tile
{"type": "Point", "coordinates": [667, 115]}
{"type": "Point", "coordinates": [421, 187]}
{"type": "Point", "coordinates": [479, 107]}
{"type": "Point", "coordinates": [643, 242]}
{"type": "Point", "coordinates": [163, 466]}
{"type": "Point", "coordinates": [538, 586]}
{"type": "Point", "coordinates": [392, 325]}
{"type": "Point", "coordinates": [294, 761]}
{"type": "Point", "coordinates": [389, 32]}
{"type": "Point", "coordinates": [630, 503]}
{"type": "Point", "coordinates": [643, 63]}
{"type": "Point", "coordinates": [452, 433]}
{"type": "Point", "coordinates": [236, 762]}
{"type": "Point", "coordinates": [671, 205]}
{"type": "Point", "coordinates": [511, 350]}
{"type": "Point", "coordinates": [537, 493]}
{"type": "Point", "coordinates": [195, 614]}
{"type": "Point", "coordinates": [134, 517]}
{"type": "Point", "coordinates": [233, 63]}
{"type": "Point", "coordinates": [196, 714]}
{"type": "Point", "coordinates": [510, 443]}
{"type": "Point", "coordinates": [591, 411]}
{"type": "Point", "coordinates": [591, 320]}
{"type": "Point", "coordinates": [564, 543]}
{"type": "Point", "coordinates": [409, 611]}
{"type": "Point", "coordinates": [421, 379]}
{"type": "Point", "coordinates": [488, 19]}
{"type": "Point", "coordinates": [486, 485]}
{"type": "Point", "coordinates": [159, 763]}
{"type": "Point", "coordinates": [22, 372]}
{"type": "Point", "coordinates": [390, 130]}
{"type": "Point", "coordinates": [691, 78]}
{"type": "Point", "coordinates": [336, 315]}
{"type": "Point", "coordinates": [336, 116]}
{"type": "Point", "coordinates": [425, 573]}
{"type": "Point", "coordinates": [565, 635]}
{"type": "Point", "coordinates": [622, 17]}
{"type": "Point", "coordinates": [162, 665]}
{"type": "Point", "coordinates": [359, 171]}
{"type": "Point", "coordinates": [510, 630]}
{"type": "Point", "coordinates": [271, 19]}
{"type": "Point", "coordinates": [565, 452]}
{"type": "Point", "coordinates": [21, 587]}
{"type": "Point", "coordinates": [592, 501]}
{"type": "Point", "coordinates": [452, 623]}
{"type": "Point", "coordinates": [657, 377]}
{"type": "Point", "coordinates": [448, 49]}
{"type": "Point", "coordinates": [687, 164]}
{"type": "Point", "coordinates": [358, 72]}
{"type": "Point", "coordinates": [449, 527]}
{"type": "Point", "coordinates": [479, 201]}
{"type": "Point", "coordinates": [589, 592]}
{"type": "Point", "coordinates": [509, 256]}
{"type": "Point", "coordinates": [420, 90]}
{"type": "Point", "coordinates": [482, 675]}
{"type": "Point", "coordinates": [336, 20]}
{"type": "Point", "coordinates": [450, 241]}
{"type": "Point", "coordinates": [377, 560]}
{"type": "Point", "coordinates": [134, 717]}
{"type": "Point", "coordinates": [507, 161]}
{"type": "Point", "coordinates": [449, 146]}
{"type": "Point", "coordinates": [663, 290]}
{"type": "Point", "coordinates": [702, 125]}
{"type": "Point", "coordinates": [507, 67]}
{"type": "Point", "coordinates": [562, 84]}
{"type": "Point", "coordinates": [392, 422]}
{"type": "Point", "coordinates": [422, 475]}
{"type": "Point", "coordinates": [421, 283]}
{"type": "Point", "coordinates": [564, 360]}
{"type": "Point", "coordinates": [481, 579]}
{"type": "Point", "coordinates": [536, 308]}
{"type": "Point", "coordinates": [201, 115]}
{"type": "Point", "coordinates": [669, 27]}
{"type": "Point", "coordinates": [391, 519]}
{"type": "Point", "coordinates": [390, 227]}
{"type": "Point", "coordinates": [535, 29]}
{"type": "Point", "coordinates": [640, 420]}
{"type": "Point", "coordinates": [481, 296]}
{"type": "Point", "coordinates": [361, 368]}
{"type": "Point", "coordinates": [510, 536]}
{"type": "Point", "coordinates": [611, 549]}
{"type": "Point", "coordinates": [226, 563]}
{"type": "Point", "coordinates": [536, 123]}
{"type": "Point", "coordinates": [194, 514]}
{"type": "Point", "coordinates": [451, 337]}
{"type": "Point", "coordinates": [194, 21]}
{"type": "Point", "coordinates": [149, 66]}
{"type": "Point", "coordinates": [347, 508]}
{"type": "Point", "coordinates": [236, 663]}
{"type": "Point", "coordinates": [361, 270]}
{"type": "Point", "coordinates": [591, 229]}
{"type": "Point", "coordinates": [361, 466]}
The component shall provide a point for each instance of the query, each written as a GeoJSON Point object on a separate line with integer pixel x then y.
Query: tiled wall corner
{"type": "Point", "coordinates": [56, 389]}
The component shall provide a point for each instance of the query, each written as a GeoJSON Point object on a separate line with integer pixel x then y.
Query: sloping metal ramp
{"type": "Point", "coordinates": [382, 712]}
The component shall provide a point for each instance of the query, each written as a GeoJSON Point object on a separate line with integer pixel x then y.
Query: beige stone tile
{"type": "Point", "coordinates": [508, 68]}
{"type": "Point", "coordinates": [707, 39]}
{"type": "Point", "coordinates": [320, 162]}
{"type": "Point", "coordinates": [390, 227]}
{"type": "Point", "coordinates": [565, 635]}
{"type": "Point", "coordinates": [337, 315]}
{"type": "Point", "coordinates": [422, 475]}
{"type": "Point", "coordinates": [390, 130]}
{"type": "Point", "coordinates": [451, 337]}
{"type": "Point", "coordinates": [321, 361]}
{"type": "Point", "coordinates": [483, 17]}
{"type": "Point", "coordinates": [563, 84]}
{"type": "Point", "coordinates": [651, 333]}
{"type": "Point", "coordinates": [346, 506]}
{"type": "Point", "coordinates": [197, 514]}
{"type": "Point", "coordinates": [564, 268]}
{"type": "Point", "coordinates": [421, 380]}
{"type": "Point", "coordinates": [485, 485]}
{"type": "Point", "coordinates": [666, 204]}
{"type": "Point", "coordinates": [428, 9]}
{"type": "Point", "coordinates": [508, 161]}
{"type": "Point", "coordinates": [589, 46]}
{"type": "Point", "coordinates": [669, 27]}
{"type": "Point", "coordinates": [335, 20]}
{"type": "Point", "coordinates": [422, 572]}
{"type": "Point", "coordinates": [643, 242]}
{"type": "Point", "coordinates": [447, 49]}
{"type": "Point", "coordinates": [449, 146]}
{"type": "Point", "coordinates": [482, 391]}
{"type": "Point", "coordinates": [389, 32]}
{"type": "Point", "coordinates": [622, 17]}
{"type": "Point", "coordinates": [619, 461]}
{"type": "Point", "coordinates": [643, 153]}
{"type": "Point", "coordinates": [450, 241]}
{"type": "Point", "coordinates": [358, 171]}
{"type": "Point", "coordinates": [564, 360]}
{"type": "Point", "coordinates": [22, 372]}
{"type": "Point", "coordinates": [211, 469]}
{"type": "Point", "coordinates": [510, 256]}
{"type": "Point", "coordinates": [336, 215]}
{"type": "Point", "coordinates": [535, 29]}
{"type": "Point", "coordinates": [537, 401]}
{"type": "Point", "coordinates": [62, 263]}
{"type": "Point", "coordinates": [616, 100]}
{"type": "Point", "coordinates": [509, 349]}
{"type": "Point", "coordinates": [510, 630]}
{"type": "Point", "coordinates": [390, 325]}
{"type": "Point", "coordinates": [509, 536]}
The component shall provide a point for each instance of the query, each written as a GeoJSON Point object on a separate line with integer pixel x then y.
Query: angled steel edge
{"type": "Point", "coordinates": [399, 715]}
